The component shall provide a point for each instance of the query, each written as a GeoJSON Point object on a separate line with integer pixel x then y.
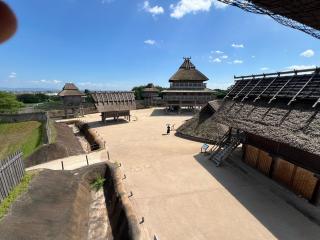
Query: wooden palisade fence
{"type": "Point", "coordinates": [11, 173]}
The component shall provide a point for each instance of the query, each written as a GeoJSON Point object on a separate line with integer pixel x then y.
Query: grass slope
{"type": "Point", "coordinates": [23, 135]}
{"type": "Point", "coordinates": [15, 193]}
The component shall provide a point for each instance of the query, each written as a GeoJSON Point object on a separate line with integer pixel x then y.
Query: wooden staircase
{"type": "Point", "coordinates": [224, 148]}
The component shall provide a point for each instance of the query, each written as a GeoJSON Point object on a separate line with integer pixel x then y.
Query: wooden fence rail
{"type": "Point", "coordinates": [11, 173]}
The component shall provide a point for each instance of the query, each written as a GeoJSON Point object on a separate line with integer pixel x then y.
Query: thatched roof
{"type": "Point", "coordinates": [292, 85]}
{"type": "Point", "coordinates": [150, 88]}
{"type": "Point", "coordinates": [303, 15]}
{"type": "Point", "coordinates": [281, 108]}
{"type": "Point", "coordinates": [114, 101]}
{"type": "Point", "coordinates": [188, 72]}
{"type": "Point", "coordinates": [201, 126]}
{"type": "Point", "coordinates": [297, 125]}
{"type": "Point", "coordinates": [70, 89]}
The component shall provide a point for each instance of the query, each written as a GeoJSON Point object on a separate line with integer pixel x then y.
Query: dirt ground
{"type": "Point", "coordinates": [49, 209]}
{"type": "Point", "coordinates": [66, 144]}
{"type": "Point", "coordinates": [181, 195]}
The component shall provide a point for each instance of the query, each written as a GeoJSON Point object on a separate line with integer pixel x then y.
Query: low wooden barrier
{"type": "Point", "coordinates": [11, 173]}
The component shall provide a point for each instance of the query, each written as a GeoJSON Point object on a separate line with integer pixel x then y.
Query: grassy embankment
{"type": "Point", "coordinates": [15, 193]}
{"type": "Point", "coordinates": [26, 136]}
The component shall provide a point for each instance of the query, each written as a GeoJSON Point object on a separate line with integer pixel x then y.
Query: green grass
{"type": "Point", "coordinates": [47, 106]}
{"type": "Point", "coordinates": [98, 183]}
{"type": "Point", "coordinates": [15, 193]}
{"type": "Point", "coordinates": [26, 136]}
{"type": "Point", "coordinates": [53, 131]}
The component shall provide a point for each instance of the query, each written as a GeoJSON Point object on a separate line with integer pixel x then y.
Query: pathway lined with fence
{"type": "Point", "coordinates": [11, 173]}
{"type": "Point", "coordinates": [74, 162]}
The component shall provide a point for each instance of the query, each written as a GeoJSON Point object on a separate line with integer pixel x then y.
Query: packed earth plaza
{"type": "Point", "coordinates": [182, 195]}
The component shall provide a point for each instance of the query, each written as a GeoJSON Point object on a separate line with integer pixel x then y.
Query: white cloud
{"type": "Point", "coordinates": [308, 53]}
{"type": "Point", "coordinates": [235, 45]}
{"type": "Point", "coordinates": [184, 7]}
{"type": "Point", "coordinates": [12, 75]}
{"type": "Point", "coordinates": [264, 68]}
{"type": "Point", "coordinates": [299, 67]}
{"type": "Point", "coordinates": [155, 10]}
{"type": "Point", "coordinates": [237, 61]}
{"type": "Point", "coordinates": [150, 42]}
{"type": "Point", "coordinates": [106, 1]}
{"type": "Point", "coordinates": [216, 60]}
{"type": "Point", "coordinates": [45, 81]}
{"type": "Point", "coordinates": [218, 52]}
{"type": "Point", "coordinates": [224, 57]}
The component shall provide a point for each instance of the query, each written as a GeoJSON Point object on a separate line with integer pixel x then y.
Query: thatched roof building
{"type": "Point", "coordinates": [72, 100]}
{"type": "Point", "coordinates": [187, 88]}
{"type": "Point", "coordinates": [114, 104]}
{"type": "Point", "coordinates": [201, 127]}
{"type": "Point", "coordinates": [279, 117]}
{"type": "Point", "coordinates": [188, 72]}
{"type": "Point", "coordinates": [150, 94]}
{"type": "Point", "coordinates": [150, 88]}
{"type": "Point", "coordinates": [70, 89]}
{"type": "Point", "coordinates": [303, 15]}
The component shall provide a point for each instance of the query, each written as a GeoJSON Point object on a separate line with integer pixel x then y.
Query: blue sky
{"type": "Point", "coordinates": [118, 44]}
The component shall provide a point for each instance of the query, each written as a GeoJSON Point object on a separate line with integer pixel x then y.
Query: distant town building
{"type": "Point", "coordinates": [187, 88]}
{"type": "Point", "coordinates": [150, 95]}
{"type": "Point", "coordinates": [114, 104]}
{"type": "Point", "coordinates": [72, 100]}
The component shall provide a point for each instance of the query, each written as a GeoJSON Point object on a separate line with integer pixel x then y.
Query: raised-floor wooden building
{"type": "Point", "coordinates": [279, 117]}
{"type": "Point", "coordinates": [114, 104]}
{"type": "Point", "coordinates": [72, 100]}
{"type": "Point", "coordinates": [150, 95]}
{"type": "Point", "coordinates": [187, 88]}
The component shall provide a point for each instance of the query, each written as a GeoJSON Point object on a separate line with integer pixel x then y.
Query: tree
{"type": "Point", "coordinates": [138, 91]}
{"type": "Point", "coordinates": [89, 98]}
{"type": "Point", "coordinates": [9, 102]}
{"type": "Point", "coordinates": [33, 98]}
{"type": "Point", "coordinates": [220, 93]}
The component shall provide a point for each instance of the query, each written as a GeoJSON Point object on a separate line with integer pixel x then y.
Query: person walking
{"type": "Point", "coordinates": [168, 129]}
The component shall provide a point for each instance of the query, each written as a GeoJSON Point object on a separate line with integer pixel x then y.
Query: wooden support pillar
{"type": "Point", "coordinates": [315, 199]}
{"type": "Point", "coordinates": [244, 150]}
{"type": "Point", "coordinates": [272, 166]}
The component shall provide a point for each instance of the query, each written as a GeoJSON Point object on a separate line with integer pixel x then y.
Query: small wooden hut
{"type": "Point", "coordinates": [72, 100]}
{"type": "Point", "coordinates": [114, 104]}
{"type": "Point", "coordinates": [279, 117]}
{"type": "Point", "coordinates": [187, 88]}
{"type": "Point", "coordinates": [150, 94]}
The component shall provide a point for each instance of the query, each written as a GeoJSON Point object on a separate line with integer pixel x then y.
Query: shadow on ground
{"type": "Point", "coordinates": [158, 112]}
{"type": "Point", "coordinates": [274, 213]}
{"type": "Point", "coordinates": [108, 122]}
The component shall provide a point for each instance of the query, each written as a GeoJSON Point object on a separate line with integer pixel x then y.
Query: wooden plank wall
{"type": "Point", "coordinates": [297, 179]}
{"type": "Point", "coordinates": [258, 159]}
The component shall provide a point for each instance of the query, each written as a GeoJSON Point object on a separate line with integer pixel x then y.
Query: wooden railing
{"type": "Point", "coordinates": [11, 173]}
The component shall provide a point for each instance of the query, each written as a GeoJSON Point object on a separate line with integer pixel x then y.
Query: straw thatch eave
{"type": "Point", "coordinates": [297, 125]}
{"type": "Point", "coordinates": [303, 15]}
{"type": "Point", "coordinates": [70, 89]}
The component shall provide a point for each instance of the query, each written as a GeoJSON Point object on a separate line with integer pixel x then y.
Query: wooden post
{"type": "Point", "coordinates": [87, 160]}
{"type": "Point", "coordinates": [62, 165]}
{"type": "Point", "coordinates": [315, 199]}
{"type": "Point", "coordinates": [272, 166]}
